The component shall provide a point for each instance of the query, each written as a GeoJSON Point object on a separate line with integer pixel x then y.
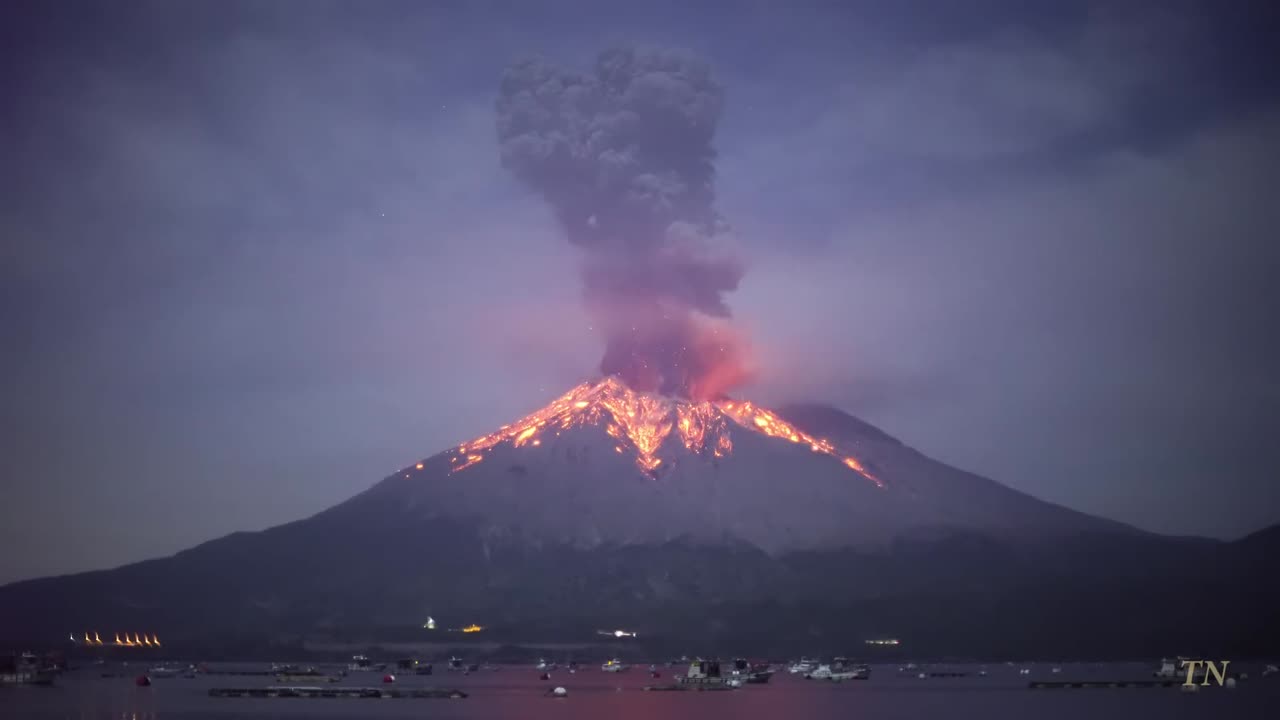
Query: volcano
{"type": "Point", "coordinates": [712, 525]}
{"type": "Point", "coordinates": [604, 464]}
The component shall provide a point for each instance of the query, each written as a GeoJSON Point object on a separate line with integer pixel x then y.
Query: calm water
{"type": "Point", "coordinates": [517, 692]}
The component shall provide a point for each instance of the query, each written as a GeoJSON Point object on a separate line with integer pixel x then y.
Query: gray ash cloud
{"type": "Point", "coordinates": [624, 157]}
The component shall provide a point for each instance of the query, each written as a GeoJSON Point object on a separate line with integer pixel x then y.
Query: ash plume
{"type": "Point", "coordinates": [624, 157]}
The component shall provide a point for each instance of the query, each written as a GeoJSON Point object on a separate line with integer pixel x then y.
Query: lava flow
{"type": "Point", "coordinates": [640, 422]}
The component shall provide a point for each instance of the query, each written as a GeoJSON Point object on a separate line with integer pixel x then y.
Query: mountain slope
{"type": "Point", "coordinates": [718, 525]}
{"type": "Point", "coordinates": [573, 477]}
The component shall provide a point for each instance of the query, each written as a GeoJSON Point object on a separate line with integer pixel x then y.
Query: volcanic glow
{"type": "Point", "coordinates": [641, 422]}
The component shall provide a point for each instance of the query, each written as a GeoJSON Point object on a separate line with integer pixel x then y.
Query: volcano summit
{"type": "Point", "coordinates": [691, 521]}
{"type": "Point", "coordinates": [607, 464]}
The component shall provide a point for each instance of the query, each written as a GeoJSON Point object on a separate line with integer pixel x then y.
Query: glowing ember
{"type": "Point", "coordinates": [641, 422]}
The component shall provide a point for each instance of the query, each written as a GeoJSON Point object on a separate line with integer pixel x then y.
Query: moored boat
{"type": "Point", "coordinates": [26, 669]}
{"type": "Point", "coordinates": [1170, 669]}
{"type": "Point", "coordinates": [839, 670]}
{"type": "Point", "coordinates": [707, 674]}
{"type": "Point", "coordinates": [167, 671]}
{"type": "Point", "coordinates": [803, 666]}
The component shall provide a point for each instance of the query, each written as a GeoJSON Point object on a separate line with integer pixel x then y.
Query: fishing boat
{"type": "Point", "coordinates": [25, 669]}
{"type": "Point", "coordinates": [757, 673]}
{"type": "Point", "coordinates": [704, 674]}
{"type": "Point", "coordinates": [457, 665]}
{"type": "Point", "coordinates": [803, 666]}
{"type": "Point", "coordinates": [614, 665]}
{"type": "Point", "coordinates": [839, 670]}
{"type": "Point", "coordinates": [409, 666]}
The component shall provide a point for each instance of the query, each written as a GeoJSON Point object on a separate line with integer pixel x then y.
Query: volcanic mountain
{"type": "Point", "coordinates": [604, 464]}
{"type": "Point", "coordinates": [710, 525]}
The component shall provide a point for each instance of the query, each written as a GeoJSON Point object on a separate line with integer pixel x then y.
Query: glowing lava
{"type": "Point", "coordinates": [641, 422]}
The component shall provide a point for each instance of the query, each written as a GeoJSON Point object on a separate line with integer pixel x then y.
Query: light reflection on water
{"type": "Point", "coordinates": [518, 692]}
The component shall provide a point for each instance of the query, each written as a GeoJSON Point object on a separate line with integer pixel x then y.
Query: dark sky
{"type": "Point", "coordinates": [255, 256]}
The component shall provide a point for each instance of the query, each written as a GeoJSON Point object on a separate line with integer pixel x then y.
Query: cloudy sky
{"type": "Point", "coordinates": [255, 256]}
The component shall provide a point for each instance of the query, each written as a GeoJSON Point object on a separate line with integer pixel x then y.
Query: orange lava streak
{"type": "Point", "coordinates": [748, 415]}
{"type": "Point", "coordinates": [643, 421]}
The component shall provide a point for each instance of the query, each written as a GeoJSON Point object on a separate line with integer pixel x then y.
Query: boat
{"type": "Point", "coordinates": [839, 670]}
{"type": "Point", "coordinates": [544, 666]}
{"type": "Point", "coordinates": [822, 672]}
{"type": "Point", "coordinates": [757, 673]}
{"type": "Point", "coordinates": [704, 674]}
{"type": "Point", "coordinates": [359, 663]}
{"type": "Point", "coordinates": [803, 666]}
{"type": "Point", "coordinates": [851, 672]}
{"type": "Point", "coordinates": [1173, 669]}
{"type": "Point", "coordinates": [26, 669]}
{"type": "Point", "coordinates": [457, 665]}
{"type": "Point", "coordinates": [614, 665]}
{"type": "Point", "coordinates": [412, 666]}
{"type": "Point", "coordinates": [166, 671]}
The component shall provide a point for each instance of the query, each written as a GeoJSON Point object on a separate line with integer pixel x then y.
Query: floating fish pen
{"type": "Point", "coordinates": [689, 687]}
{"type": "Point", "coordinates": [306, 677]}
{"type": "Point", "coordinates": [1065, 684]}
{"type": "Point", "coordinates": [337, 692]}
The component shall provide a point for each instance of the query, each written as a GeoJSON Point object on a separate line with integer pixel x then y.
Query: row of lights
{"type": "Point", "coordinates": [138, 640]}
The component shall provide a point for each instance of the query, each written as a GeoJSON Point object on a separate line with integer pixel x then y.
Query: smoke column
{"type": "Point", "coordinates": [624, 158]}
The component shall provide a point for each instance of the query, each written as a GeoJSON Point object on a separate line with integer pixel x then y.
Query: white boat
{"type": "Point", "coordinates": [163, 671]}
{"type": "Point", "coordinates": [359, 663]}
{"type": "Point", "coordinates": [1174, 669]}
{"type": "Point", "coordinates": [804, 666]}
{"type": "Point", "coordinates": [614, 665]}
{"type": "Point", "coordinates": [822, 672]}
{"type": "Point", "coordinates": [544, 666]}
{"type": "Point", "coordinates": [855, 672]}
{"type": "Point", "coordinates": [838, 671]}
